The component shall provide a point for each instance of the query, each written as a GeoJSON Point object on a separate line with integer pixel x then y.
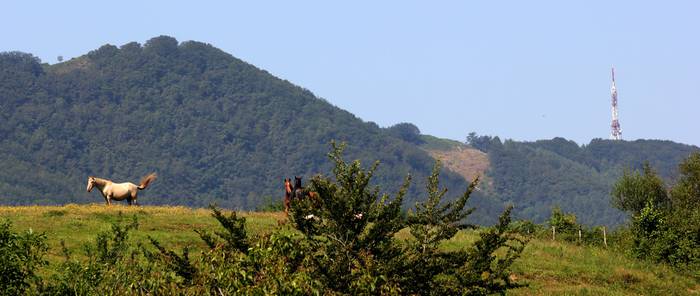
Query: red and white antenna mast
{"type": "Point", "coordinates": [616, 133]}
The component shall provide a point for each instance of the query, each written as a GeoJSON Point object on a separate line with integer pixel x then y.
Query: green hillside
{"type": "Point", "coordinates": [215, 129]}
{"type": "Point", "coordinates": [536, 176]}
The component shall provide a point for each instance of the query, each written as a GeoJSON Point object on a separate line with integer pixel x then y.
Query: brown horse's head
{"type": "Point", "coordinates": [91, 183]}
{"type": "Point", "coordinates": [297, 183]}
{"type": "Point", "coordinates": [287, 185]}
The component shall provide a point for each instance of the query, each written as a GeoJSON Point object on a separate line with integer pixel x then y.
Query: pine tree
{"type": "Point", "coordinates": [350, 224]}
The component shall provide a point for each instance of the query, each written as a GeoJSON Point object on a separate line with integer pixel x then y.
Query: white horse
{"type": "Point", "coordinates": [119, 191]}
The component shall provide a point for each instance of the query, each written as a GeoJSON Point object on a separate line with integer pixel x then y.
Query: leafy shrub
{"type": "Point", "coordinates": [563, 223]}
{"type": "Point", "coordinates": [20, 256]}
{"type": "Point", "coordinates": [665, 231]}
{"type": "Point", "coordinates": [352, 226]}
{"type": "Point", "coordinates": [634, 191]}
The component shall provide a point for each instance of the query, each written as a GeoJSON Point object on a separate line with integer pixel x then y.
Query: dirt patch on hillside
{"type": "Point", "coordinates": [465, 161]}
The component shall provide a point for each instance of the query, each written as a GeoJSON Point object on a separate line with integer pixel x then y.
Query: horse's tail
{"type": "Point", "coordinates": [147, 180]}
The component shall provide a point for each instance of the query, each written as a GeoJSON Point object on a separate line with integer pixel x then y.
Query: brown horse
{"type": "Point", "coordinates": [300, 192]}
{"type": "Point", "coordinates": [119, 191]}
{"type": "Point", "coordinates": [297, 192]}
{"type": "Point", "coordinates": [287, 195]}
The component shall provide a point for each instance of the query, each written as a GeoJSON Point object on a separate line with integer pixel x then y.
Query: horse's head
{"type": "Point", "coordinates": [297, 182]}
{"type": "Point", "coordinates": [287, 185]}
{"type": "Point", "coordinates": [91, 183]}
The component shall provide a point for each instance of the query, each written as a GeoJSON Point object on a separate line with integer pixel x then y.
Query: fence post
{"type": "Point", "coordinates": [605, 238]}
{"type": "Point", "coordinates": [579, 235]}
{"type": "Point", "coordinates": [554, 233]}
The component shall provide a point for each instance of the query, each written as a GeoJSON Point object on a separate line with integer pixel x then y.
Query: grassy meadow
{"type": "Point", "coordinates": [549, 267]}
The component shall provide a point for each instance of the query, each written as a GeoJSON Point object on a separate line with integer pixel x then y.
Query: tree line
{"type": "Point", "coordinates": [536, 176]}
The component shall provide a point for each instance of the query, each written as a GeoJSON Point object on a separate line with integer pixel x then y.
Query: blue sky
{"type": "Point", "coordinates": [524, 70]}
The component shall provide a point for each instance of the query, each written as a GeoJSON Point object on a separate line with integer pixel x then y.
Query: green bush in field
{"type": "Point", "coordinates": [567, 229]}
{"type": "Point", "coordinates": [351, 226]}
{"type": "Point", "coordinates": [634, 191]}
{"type": "Point", "coordinates": [564, 224]}
{"type": "Point", "coordinates": [667, 227]}
{"type": "Point", "coordinates": [473, 270]}
{"type": "Point", "coordinates": [20, 256]}
{"type": "Point", "coordinates": [114, 266]}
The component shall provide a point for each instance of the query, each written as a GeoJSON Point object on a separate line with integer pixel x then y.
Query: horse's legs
{"type": "Point", "coordinates": [133, 198]}
{"type": "Point", "coordinates": [286, 204]}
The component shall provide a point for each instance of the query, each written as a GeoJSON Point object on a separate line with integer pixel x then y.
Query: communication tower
{"type": "Point", "coordinates": [616, 133]}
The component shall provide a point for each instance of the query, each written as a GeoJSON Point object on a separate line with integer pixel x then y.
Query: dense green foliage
{"type": "Point", "coordinates": [536, 176]}
{"type": "Point", "coordinates": [667, 227]}
{"type": "Point", "coordinates": [350, 227]}
{"type": "Point", "coordinates": [633, 191]}
{"type": "Point", "coordinates": [563, 223]}
{"type": "Point", "coordinates": [407, 132]}
{"type": "Point", "coordinates": [344, 244]}
{"type": "Point", "coordinates": [215, 128]}
{"type": "Point", "coordinates": [20, 256]}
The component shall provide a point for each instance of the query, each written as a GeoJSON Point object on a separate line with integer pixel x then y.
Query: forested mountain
{"type": "Point", "coordinates": [535, 176]}
{"type": "Point", "coordinates": [214, 128]}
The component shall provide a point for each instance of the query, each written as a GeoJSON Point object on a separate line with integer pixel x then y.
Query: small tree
{"type": "Point", "coordinates": [664, 229]}
{"type": "Point", "coordinates": [633, 190]}
{"type": "Point", "coordinates": [563, 223]}
{"type": "Point", "coordinates": [686, 194]}
{"type": "Point", "coordinates": [234, 235]}
{"type": "Point", "coordinates": [350, 227]}
{"type": "Point", "coordinates": [436, 221]}
{"type": "Point", "coordinates": [407, 132]}
{"type": "Point", "coordinates": [472, 270]}
{"type": "Point", "coordinates": [349, 223]}
{"type": "Point", "coordinates": [432, 223]}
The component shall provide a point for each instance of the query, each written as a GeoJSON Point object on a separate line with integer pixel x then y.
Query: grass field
{"type": "Point", "coordinates": [550, 268]}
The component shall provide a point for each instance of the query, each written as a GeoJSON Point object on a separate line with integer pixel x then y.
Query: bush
{"type": "Point", "coordinates": [665, 229]}
{"type": "Point", "coordinates": [564, 224]}
{"type": "Point", "coordinates": [20, 255]}
{"type": "Point", "coordinates": [352, 227]}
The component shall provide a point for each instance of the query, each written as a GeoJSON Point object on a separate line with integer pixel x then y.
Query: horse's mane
{"type": "Point", "coordinates": [100, 180]}
{"type": "Point", "coordinates": [297, 183]}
